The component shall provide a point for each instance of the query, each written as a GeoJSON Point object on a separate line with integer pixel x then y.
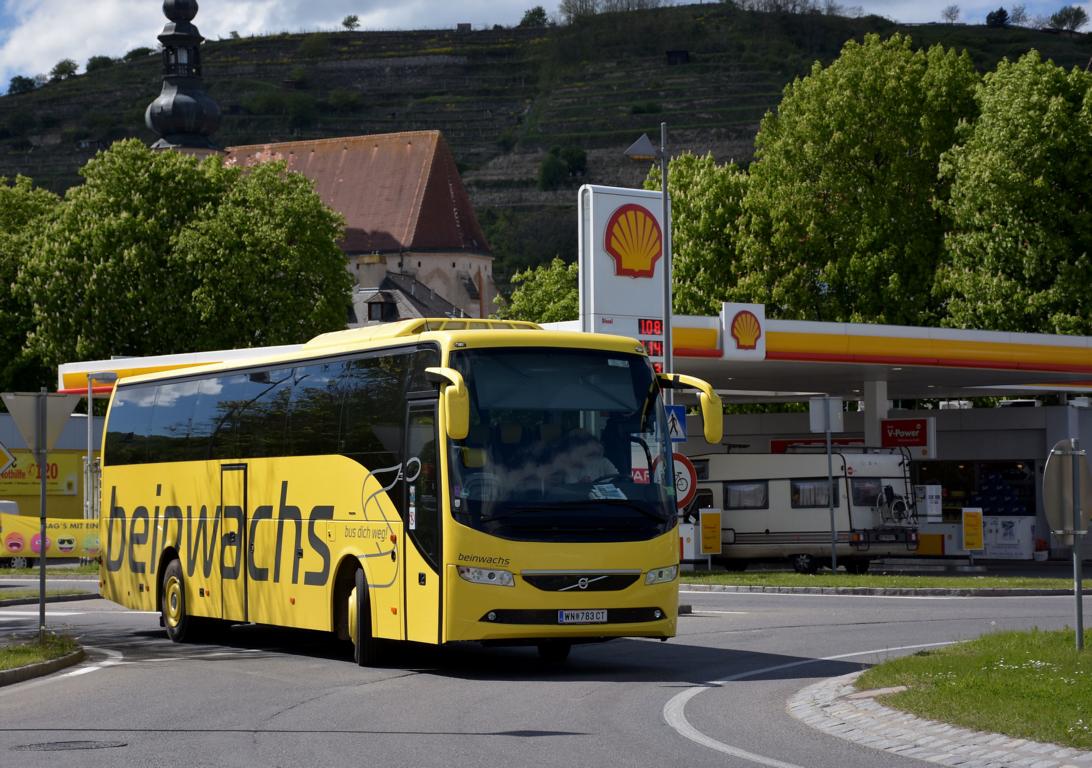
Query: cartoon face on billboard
{"type": "Point", "coordinates": [14, 543]}
{"type": "Point", "coordinates": [36, 544]}
{"type": "Point", "coordinates": [634, 241]}
{"type": "Point", "coordinates": [91, 545]}
{"type": "Point", "coordinates": [66, 543]}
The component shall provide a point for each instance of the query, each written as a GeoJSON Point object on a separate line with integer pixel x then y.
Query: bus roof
{"type": "Point", "coordinates": [73, 377]}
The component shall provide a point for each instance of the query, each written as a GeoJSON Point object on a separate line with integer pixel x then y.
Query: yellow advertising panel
{"type": "Point", "coordinates": [710, 531]}
{"type": "Point", "coordinates": [973, 539]}
{"type": "Point", "coordinates": [23, 478]}
{"type": "Point", "coordinates": [21, 536]}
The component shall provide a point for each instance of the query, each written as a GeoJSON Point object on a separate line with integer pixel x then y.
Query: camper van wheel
{"type": "Point", "coordinates": [804, 564]}
{"type": "Point", "coordinates": [22, 562]}
{"type": "Point", "coordinates": [857, 565]}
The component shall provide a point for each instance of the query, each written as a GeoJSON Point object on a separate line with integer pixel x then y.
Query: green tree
{"type": "Point", "coordinates": [138, 53]}
{"type": "Point", "coordinates": [706, 204]}
{"type": "Point", "coordinates": [553, 172]}
{"type": "Point", "coordinates": [998, 18]}
{"type": "Point", "coordinates": [21, 84]}
{"type": "Point", "coordinates": [266, 262]}
{"type": "Point", "coordinates": [62, 70]}
{"type": "Point", "coordinates": [98, 62]}
{"type": "Point", "coordinates": [351, 22]}
{"type": "Point", "coordinates": [839, 216]}
{"type": "Point", "coordinates": [1020, 246]}
{"type": "Point", "coordinates": [1070, 18]}
{"type": "Point", "coordinates": [116, 270]}
{"type": "Point", "coordinates": [545, 294]}
{"type": "Point", "coordinates": [23, 210]}
{"type": "Point", "coordinates": [534, 17]}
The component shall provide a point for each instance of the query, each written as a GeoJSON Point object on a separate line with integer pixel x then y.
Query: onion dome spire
{"type": "Point", "coordinates": [183, 115]}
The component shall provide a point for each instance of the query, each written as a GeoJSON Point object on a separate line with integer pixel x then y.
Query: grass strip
{"type": "Point", "coordinates": [32, 652]}
{"type": "Point", "coordinates": [26, 594]}
{"type": "Point", "coordinates": [778, 579]}
{"type": "Point", "coordinates": [58, 570]}
{"type": "Point", "coordinates": [1029, 685]}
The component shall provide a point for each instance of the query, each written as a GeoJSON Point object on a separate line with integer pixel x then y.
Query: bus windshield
{"type": "Point", "coordinates": [564, 445]}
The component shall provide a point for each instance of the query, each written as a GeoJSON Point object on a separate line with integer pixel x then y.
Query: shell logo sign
{"type": "Point", "coordinates": [634, 241]}
{"type": "Point", "coordinates": [743, 331]}
{"type": "Point", "coordinates": [746, 330]}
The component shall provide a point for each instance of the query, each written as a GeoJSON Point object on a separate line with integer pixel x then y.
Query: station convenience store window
{"type": "Point", "coordinates": [998, 487]}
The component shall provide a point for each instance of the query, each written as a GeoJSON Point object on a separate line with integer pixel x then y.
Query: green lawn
{"type": "Point", "coordinates": [1030, 685]}
{"type": "Point", "coordinates": [868, 580]}
{"type": "Point", "coordinates": [25, 593]}
{"type": "Point", "coordinates": [30, 652]}
{"type": "Point", "coordinates": [54, 570]}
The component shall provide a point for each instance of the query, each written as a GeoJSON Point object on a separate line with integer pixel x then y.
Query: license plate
{"type": "Point", "coordinates": [887, 537]}
{"type": "Point", "coordinates": [598, 616]}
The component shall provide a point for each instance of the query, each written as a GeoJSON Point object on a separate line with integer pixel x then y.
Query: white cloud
{"type": "Point", "coordinates": [36, 34]}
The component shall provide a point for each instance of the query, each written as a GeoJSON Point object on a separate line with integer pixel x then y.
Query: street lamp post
{"type": "Point", "coordinates": [644, 149]}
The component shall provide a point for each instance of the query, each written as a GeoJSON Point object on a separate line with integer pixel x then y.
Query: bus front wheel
{"type": "Point", "coordinates": [173, 604]}
{"type": "Point", "coordinates": [365, 646]}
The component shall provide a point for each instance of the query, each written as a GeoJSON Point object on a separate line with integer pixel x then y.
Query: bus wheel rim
{"type": "Point", "coordinates": [173, 602]}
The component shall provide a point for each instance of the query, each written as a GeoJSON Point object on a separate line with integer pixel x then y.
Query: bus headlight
{"type": "Point", "coordinates": [662, 575]}
{"type": "Point", "coordinates": [486, 576]}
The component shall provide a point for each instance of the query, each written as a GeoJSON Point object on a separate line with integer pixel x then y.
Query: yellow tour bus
{"type": "Point", "coordinates": [431, 481]}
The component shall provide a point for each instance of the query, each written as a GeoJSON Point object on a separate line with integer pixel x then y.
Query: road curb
{"type": "Point", "coordinates": [40, 669]}
{"type": "Point", "coordinates": [885, 591]}
{"type": "Point", "coordinates": [55, 599]}
{"type": "Point", "coordinates": [836, 708]}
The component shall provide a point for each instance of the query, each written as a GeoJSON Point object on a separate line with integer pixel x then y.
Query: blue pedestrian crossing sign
{"type": "Point", "coordinates": [676, 422]}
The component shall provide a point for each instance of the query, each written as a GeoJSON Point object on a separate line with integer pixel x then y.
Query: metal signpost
{"type": "Point", "coordinates": [823, 420]}
{"type": "Point", "coordinates": [40, 427]}
{"type": "Point", "coordinates": [1067, 496]}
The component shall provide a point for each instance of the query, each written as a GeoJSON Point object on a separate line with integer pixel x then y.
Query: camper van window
{"type": "Point", "coordinates": [811, 493]}
{"type": "Point", "coordinates": [865, 490]}
{"type": "Point", "coordinates": [749, 494]}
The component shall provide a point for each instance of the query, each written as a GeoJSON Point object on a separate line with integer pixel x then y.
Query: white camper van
{"type": "Point", "coordinates": [776, 506]}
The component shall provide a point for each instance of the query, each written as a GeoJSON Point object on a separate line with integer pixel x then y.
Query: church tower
{"type": "Point", "coordinates": [184, 116]}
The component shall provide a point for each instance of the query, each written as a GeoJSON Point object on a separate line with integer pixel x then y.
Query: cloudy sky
{"type": "Point", "coordinates": [36, 34]}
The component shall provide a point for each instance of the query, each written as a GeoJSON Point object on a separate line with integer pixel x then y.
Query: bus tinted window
{"type": "Point", "coordinates": [373, 410]}
{"type": "Point", "coordinates": [169, 428]}
{"type": "Point", "coordinates": [261, 415]}
{"type": "Point", "coordinates": [314, 409]}
{"type": "Point", "coordinates": [130, 416]}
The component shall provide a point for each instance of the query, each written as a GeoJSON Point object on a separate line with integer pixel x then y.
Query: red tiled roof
{"type": "Point", "coordinates": [397, 191]}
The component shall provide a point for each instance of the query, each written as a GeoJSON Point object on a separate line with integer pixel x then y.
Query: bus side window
{"type": "Point", "coordinates": [373, 411]}
{"type": "Point", "coordinates": [130, 419]}
{"type": "Point", "coordinates": [313, 409]}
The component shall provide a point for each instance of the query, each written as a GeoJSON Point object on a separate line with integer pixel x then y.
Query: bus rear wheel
{"type": "Point", "coordinates": [365, 646]}
{"type": "Point", "coordinates": [179, 625]}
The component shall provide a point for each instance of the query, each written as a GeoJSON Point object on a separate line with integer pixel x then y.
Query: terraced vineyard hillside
{"type": "Point", "coordinates": [502, 98]}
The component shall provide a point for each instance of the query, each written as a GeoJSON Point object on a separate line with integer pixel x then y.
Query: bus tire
{"type": "Point", "coordinates": [804, 564]}
{"type": "Point", "coordinates": [365, 646]}
{"type": "Point", "coordinates": [857, 565]}
{"type": "Point", "coordinates": [554, 651]}
{"type": "Point", "coordinates": [22, 562]}
{"type": "Point", "coordinates": [180, 626]}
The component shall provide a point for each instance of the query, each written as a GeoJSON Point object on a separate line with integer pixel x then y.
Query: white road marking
{"type": "Point", "coordinates": [675, 709]}
{"type": "Point", "coordinates": [21, 614]}
{"type": "Point", "coordinates": [113, 659]}
{"type": "Point", "coordinates": [706, 610]}
{"type": "Point", "coordinates": [815, 594]}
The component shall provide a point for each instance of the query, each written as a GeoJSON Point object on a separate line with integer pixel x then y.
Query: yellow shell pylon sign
{"type": "Point", "coordinates": [634, 241]}
{"type": "Point", "coordinates": [746, 330]}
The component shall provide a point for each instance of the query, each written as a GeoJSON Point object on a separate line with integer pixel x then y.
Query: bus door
{"type": "Point", "coordinates": [233, 552]}
{"type": "Point", "coordinates": [421, 555]}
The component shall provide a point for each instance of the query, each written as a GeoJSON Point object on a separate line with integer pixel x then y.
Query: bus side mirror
{"type": "Point", "coordinates": [712, 410]}
{"type": "Point", "coordinates": [456, 401]}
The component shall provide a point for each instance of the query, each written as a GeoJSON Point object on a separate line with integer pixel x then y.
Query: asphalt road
{"type": "Point", "coordinates": [265, 697]}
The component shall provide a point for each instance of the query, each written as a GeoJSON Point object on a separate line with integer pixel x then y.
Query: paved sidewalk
{"type": "Point", "coordinates": [835, 707]}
